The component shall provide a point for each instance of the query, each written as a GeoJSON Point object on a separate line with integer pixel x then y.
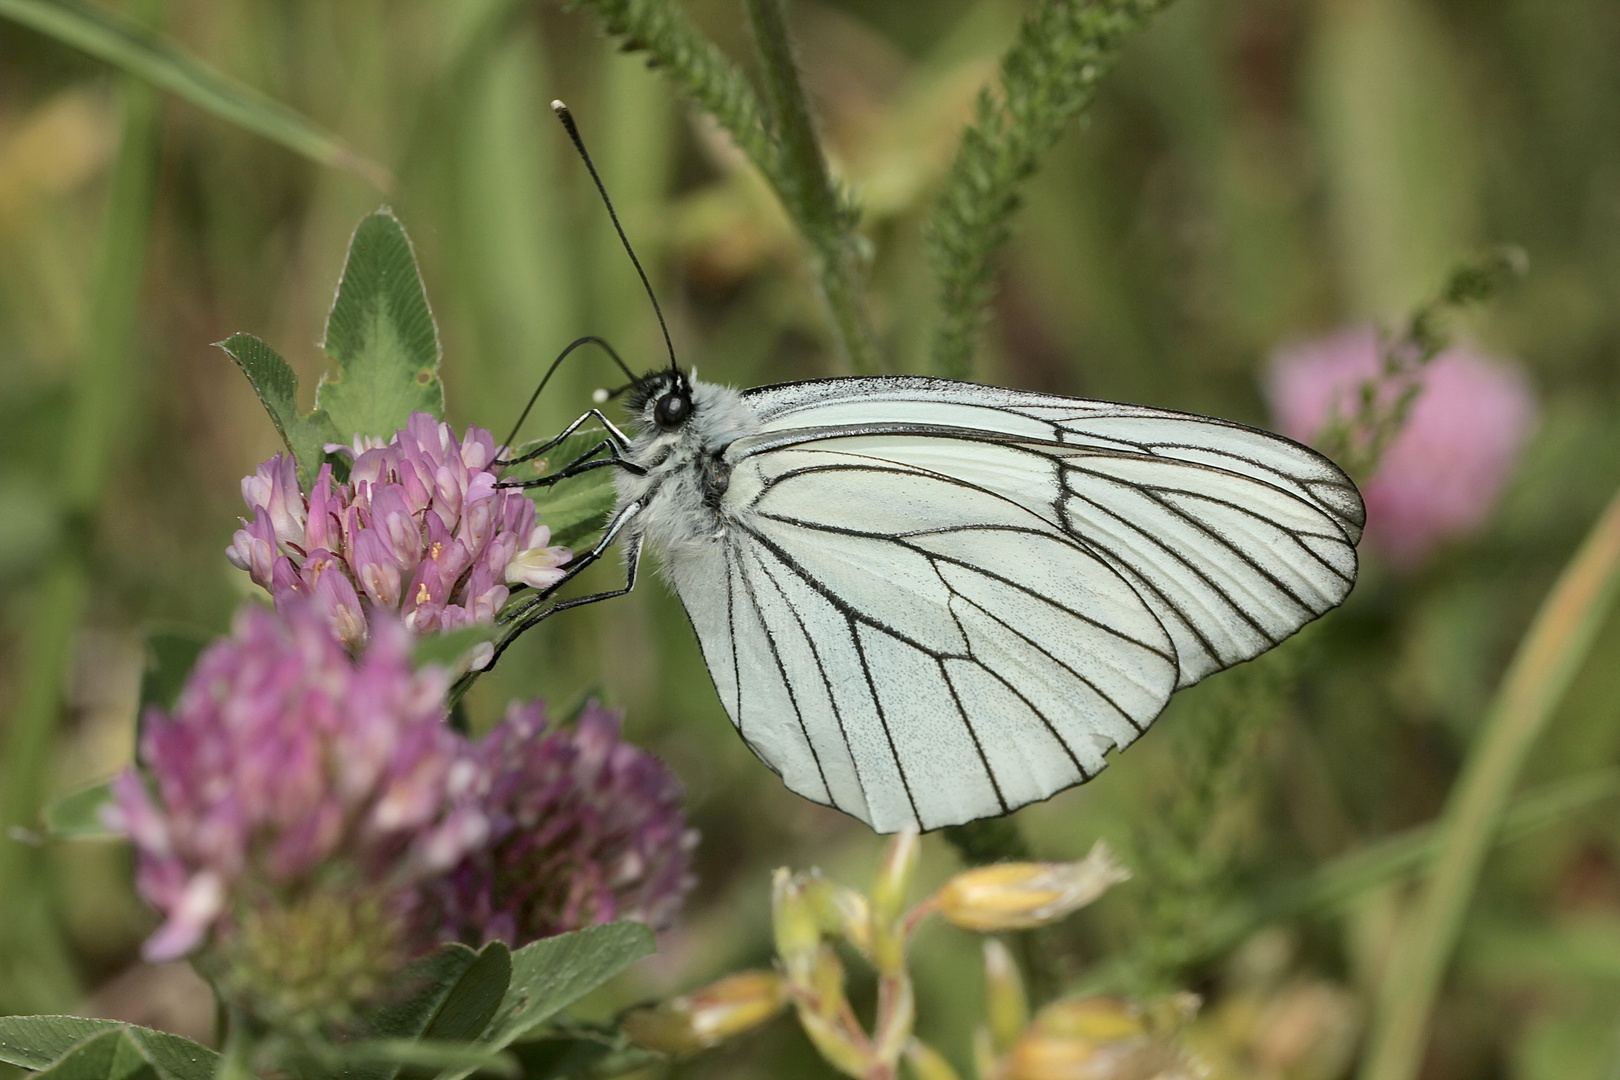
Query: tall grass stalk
{"type": "Point", "coordinates": [1048, 78]}
{"type": "Point", "coordinates": [777, 135]}
{"type": "Point", "coordinates": [1548, 658]}
{"type": "Point", "coordinates": [825, 213]}
{"type": "Point", "coordinates": [42, 979]}
{"type": "Point", "coordinates": [1196, 837]}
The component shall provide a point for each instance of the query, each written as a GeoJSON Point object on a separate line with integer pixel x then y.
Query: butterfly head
{"type": "Point", "coordinates": [661, 399]}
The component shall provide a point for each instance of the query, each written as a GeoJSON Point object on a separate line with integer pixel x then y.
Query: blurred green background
{"type": "Point", "coordinates": [1255, 172]}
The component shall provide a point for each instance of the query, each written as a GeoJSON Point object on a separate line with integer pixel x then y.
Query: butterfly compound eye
{"type": "Point", "coordinates": [672, 410]}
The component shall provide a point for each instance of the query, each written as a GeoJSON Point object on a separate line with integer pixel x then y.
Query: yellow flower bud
{"type": "Point", "coordinates": [838, 910]}
{"type": "Point", "coordinates": [1006, 1006]}
{"type": "Point", "coordinates": [835, 1046]}
{"type": "Point", "coordinates": [984, 1055]}
{"type": "Point", "coordinates": [854, 918]}
{"type": "Point", "coordinates": [826, 981]}
{"type": "Point", "coordinates": [1041, 1057]}
{"type": "Point", "coordinates": [707, 1017]}
{"type": "Point", "coordinates": [894, 876]}
{"type": "Point", "coordinates": [798, 932]}
{"type": "Point", "coordinates": [1095, 1038]}
{"type": "Point", "coordinates": [817, 989]}
{"type": "Point", "coordinates": [1019, 896]}
{"type": "Point", "coordinates": [1098, 1019]}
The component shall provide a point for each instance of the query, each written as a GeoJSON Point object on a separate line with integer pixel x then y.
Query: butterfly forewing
{"type": "Point", "coordinates": [1233, 537]}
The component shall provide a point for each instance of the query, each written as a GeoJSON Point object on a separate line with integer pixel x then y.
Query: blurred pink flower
{"type": "Point", "coordinates": [287, 766]}
{"type": "Point", "coordinates": [419, 528]}
{"type": "Point", "coordinates": [1441, 474]}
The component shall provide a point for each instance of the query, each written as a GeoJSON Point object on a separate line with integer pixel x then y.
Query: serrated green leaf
{"type": "Point", "coordinates": [275, 382]}
{"type": "Point", "coordinates": [574, 509]}
{"type": "Point", "coordinates": [456, 991]}
{"type": "Point", "coordinates": [429, 981]}
{"type": "Point", "coordinates": [78, 815]}
{"type": "Point", "coordinates": [176, 1058]}
{"type": "Point", "coordinates": [475, 997]}
{"type": "Point", "coordinates": [36, 1042]}
{"type": "Point", "coordinates": [382, 335]}
{"type": "Point", "coordinates": [111, 1055]}
{"type": "Point", "coordinates": [565, 453]}
{"type": "Point", "coordinates": [114, 38]}
{"type": "Point", "coordinates": [551, 974]}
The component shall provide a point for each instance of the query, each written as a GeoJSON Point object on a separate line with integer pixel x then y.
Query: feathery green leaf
{"type": "Point", "coordinates": [1048, 77]}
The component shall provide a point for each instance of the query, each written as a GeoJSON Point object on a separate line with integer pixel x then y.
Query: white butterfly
{"type": "Point", "coordinates": [926, 602]}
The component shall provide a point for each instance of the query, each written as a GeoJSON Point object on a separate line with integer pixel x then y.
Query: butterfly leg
{"type": "Point", "coordinates": [527, 616]}
{"type": "Point", "coordinates": [617, 437]}
{"type": "Point", "coordinates": [582, 464]}
{"type": "Point", "coordinates": [575, 565]}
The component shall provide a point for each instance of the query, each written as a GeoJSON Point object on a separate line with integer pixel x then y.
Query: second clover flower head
{"type": "Point", "coordinates": [584, 828]}
{"type": "Point", "coordinates": [419, 528]}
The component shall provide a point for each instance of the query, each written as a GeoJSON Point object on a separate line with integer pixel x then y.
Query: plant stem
{"type": "Point", "coordinates": [33, 953]}
{"type": "Point", "coordinates": [236, 1055]}
{"type": "Point", "coordinates": [1547, 661]}
{"type": "Point", "coordinates": [802, 180]}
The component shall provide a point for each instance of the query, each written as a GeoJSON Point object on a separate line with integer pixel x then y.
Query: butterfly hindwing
{"type": "Point", "coordinates": [913, 649]}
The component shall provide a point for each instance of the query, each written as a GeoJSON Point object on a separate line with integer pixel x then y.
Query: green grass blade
{"type": "Point", "coordinates": [1412, 851]}
{"type": "Point", "coordinates": [1343, 879]}
{"type": "Point", "coordinates": [1547, 660]}
{"type": "Point", "coordinates": [121, 41]}
{"type": "Point", "coordinates": [34, 970]}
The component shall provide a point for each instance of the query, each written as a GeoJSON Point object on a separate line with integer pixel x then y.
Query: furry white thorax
{"type": "Point", "coordinates": [683, 466]}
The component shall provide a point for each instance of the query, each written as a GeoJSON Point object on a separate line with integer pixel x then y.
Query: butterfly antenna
{"type": "Point", "coordinates": [567, 119]}
{"type": "Point", "coordinates": [588, 339]}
